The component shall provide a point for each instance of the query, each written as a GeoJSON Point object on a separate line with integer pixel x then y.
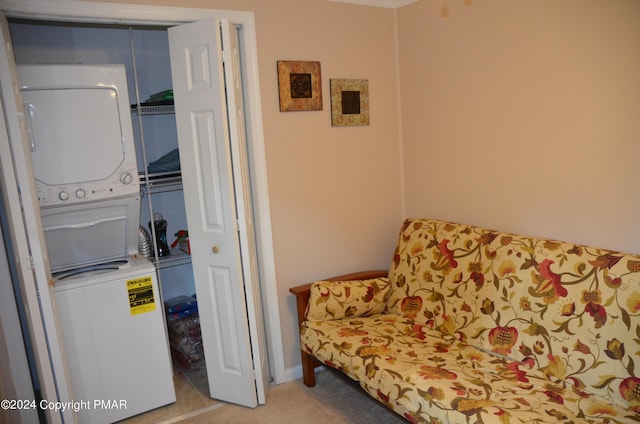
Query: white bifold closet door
{"type": "Point", "coordinates": [211, 138]}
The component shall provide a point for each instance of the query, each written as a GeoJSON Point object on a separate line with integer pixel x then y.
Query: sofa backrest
{"type": "Point", "coordinates": [572, 311]}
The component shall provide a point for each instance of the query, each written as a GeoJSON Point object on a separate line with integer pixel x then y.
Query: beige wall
{"type": "Point", "coordinates": [334, 195]}
{"type": "Point", "coordinates": [520, 116]}
{"type": "Point", "coordinates": [524, 116]}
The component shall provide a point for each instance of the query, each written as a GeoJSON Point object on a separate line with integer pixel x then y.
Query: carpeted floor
{"type": "Point", "coordinates": [335, 399]}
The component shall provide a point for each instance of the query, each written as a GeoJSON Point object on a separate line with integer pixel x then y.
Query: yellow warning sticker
{"type": "Point", "coordinates": [141, 297]}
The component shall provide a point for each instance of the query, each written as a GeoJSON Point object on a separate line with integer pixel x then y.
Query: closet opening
{"type": "Point", "coordinates": [162, 219]}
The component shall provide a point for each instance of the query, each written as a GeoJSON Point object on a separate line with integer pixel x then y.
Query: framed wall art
{"type": "Point", "coordinates": [299, 85]}
{"type": "Point", "coordinates": [349, 102]}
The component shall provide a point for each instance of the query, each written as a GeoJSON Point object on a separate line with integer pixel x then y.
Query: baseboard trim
{"type": "Point", "coordinates": [291, 374]}
{"type": "Point", "coordinates": [295, 373]}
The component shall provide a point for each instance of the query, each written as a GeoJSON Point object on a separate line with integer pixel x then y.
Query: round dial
{"type": "Point", "coordinates": [63, 195]}
{"type": "Point", "coordinates": [126, 178]}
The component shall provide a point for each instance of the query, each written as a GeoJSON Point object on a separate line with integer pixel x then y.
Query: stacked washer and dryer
{"type": "Point", "coordinates": [107, 296]}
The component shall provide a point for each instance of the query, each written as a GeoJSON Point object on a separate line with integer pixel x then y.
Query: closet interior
{"type": "Point", "coordinates": [163, 232]}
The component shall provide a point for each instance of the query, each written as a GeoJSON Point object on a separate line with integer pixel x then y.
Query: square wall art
{"type": "Point", "coordinates": [349, 102]}
{"type": "Point", "coordinates": [299, 85]}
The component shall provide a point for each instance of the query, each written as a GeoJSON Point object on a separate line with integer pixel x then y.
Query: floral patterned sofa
{"type": "Point", "coordinates": [471, 325]}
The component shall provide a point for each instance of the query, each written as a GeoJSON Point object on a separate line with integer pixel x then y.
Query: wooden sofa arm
{"type": "Point", "coordinates": [302, 293]}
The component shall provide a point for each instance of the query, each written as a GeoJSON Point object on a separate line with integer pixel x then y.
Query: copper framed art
{"type": "Point", "coordinates": [299, 85]}
{"type": "Point", "coordinates": [349, 102]}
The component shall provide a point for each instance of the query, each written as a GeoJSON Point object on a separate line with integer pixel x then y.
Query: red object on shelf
{"type": "Point", "coordinates": [182, 240]}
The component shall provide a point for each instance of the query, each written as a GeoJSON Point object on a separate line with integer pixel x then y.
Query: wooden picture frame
{"type": "Point", "coordinates": [299, 85]}
{"type": "Point", "coordinates": [349, 102]}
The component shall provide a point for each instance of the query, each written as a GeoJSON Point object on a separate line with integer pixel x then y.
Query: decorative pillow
{"type": "Point", "coordinates": [330, 300]}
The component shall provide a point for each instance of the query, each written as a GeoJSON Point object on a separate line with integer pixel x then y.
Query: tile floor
{"type": "Point", "coordinates": [192, 398]}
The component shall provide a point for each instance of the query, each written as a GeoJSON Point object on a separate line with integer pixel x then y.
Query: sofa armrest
{"type": "Point", "coordinates": [303, 292]}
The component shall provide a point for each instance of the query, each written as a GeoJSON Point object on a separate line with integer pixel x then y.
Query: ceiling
{"type": "Point", "coordinates": [391, 4]}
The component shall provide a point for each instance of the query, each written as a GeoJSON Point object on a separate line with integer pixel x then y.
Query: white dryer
{"type": "Point", "coordinates": [84, 161]}
{"type": "Point", "coordinates": [79, 125]}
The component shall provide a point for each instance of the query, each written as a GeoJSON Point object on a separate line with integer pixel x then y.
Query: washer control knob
{"type": "Point", "coordinates": [63, 195]}
{"type": "Point", "coordinates": [80, 193]}
{"type": "Point", "coordinates": [126, 178]}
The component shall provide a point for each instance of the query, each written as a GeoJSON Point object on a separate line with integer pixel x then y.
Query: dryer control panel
{"type": "Point", "coordinates": [124, 184]}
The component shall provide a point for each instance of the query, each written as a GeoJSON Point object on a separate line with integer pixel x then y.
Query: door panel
{"type": "Point", "coordinates": [201, 118]}
{"type": "Point", "coordinates": [238, 139]}
{"type": "Point", "coordinates": [210, 184]}
{"type": "Point", "coordinates": [227, 355]}
{"type": "Point", "coordinates": [27, 238]}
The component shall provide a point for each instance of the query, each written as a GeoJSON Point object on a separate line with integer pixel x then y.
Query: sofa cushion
{"type": "Point", "coordinates": [573, 310]}
{"type": "Point", "coordinates": [422, 401]}
{"type": "Point", "coordinates": [356, 346]}
{"type": "Point", "coordinates": [438, 279]}
{"type": "Point", "coordinates": [427, 378]}
{"type": "Point", "coordinates": [330, 300]}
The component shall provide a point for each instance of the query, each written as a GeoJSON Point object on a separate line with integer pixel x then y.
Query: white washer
{"type": "Point", "coordinates": [115, 342]}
